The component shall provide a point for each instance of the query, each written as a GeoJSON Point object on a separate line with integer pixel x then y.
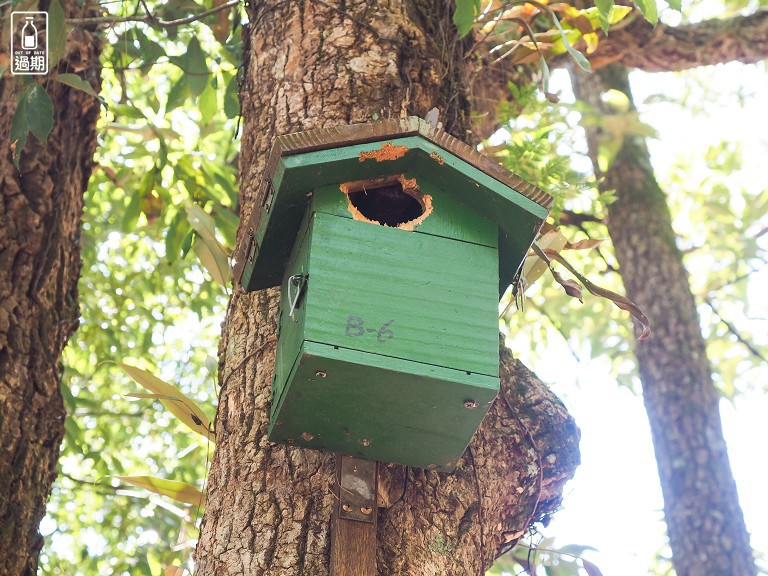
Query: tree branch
{"type": "Point", "coordinates": [732, 329]}
{"type": "Point", "coordinates": [151, 19]}
{"type": "Point", "coordinates": [673, 48]}
{"type": "Point", "coordinates": [634, 45]}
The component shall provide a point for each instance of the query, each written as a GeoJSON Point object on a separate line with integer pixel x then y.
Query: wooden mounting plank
{"type": "Point", "coordinates": [353, 542]}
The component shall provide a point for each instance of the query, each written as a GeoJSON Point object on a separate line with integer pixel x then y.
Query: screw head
{"type": "Point", "coordinates": [366, 510]}
{"type": "Point", "coordinates": [365, 442]}
{"type": "Point", "coordinates": [470, 404]}
{"type": "Point", "coordinates": [307, 436]}
{"type": "Point", "coordinates": [346, 507]}
{"type": "Point", "coordinates": [321, 374]}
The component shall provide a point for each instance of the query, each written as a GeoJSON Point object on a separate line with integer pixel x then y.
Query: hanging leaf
{"type": "Point", "coordinates": [571, 287]}
{"type": "Point", "coordinates": [194, 64]}
{"type": "Point", "coordinates": [173, 571]}
{"type": "Point", "coordinates": [231, 99]}
{"type": "Point", "coordinates": [534, 266]}
{"type": "Point", "coordinates": [604, 9]}
{"type": "Point", "coordinates": [586, 244]}
{"type": "Point", "coordinates": [590, 568]}
{"type": "Point", "coordinates": [465, 14]}
{"type": "Point", "coordinates": [177, 94]}
{"type": "Point", "coordinates": [675, 5]}
{"type": "Point", "coordinates": [179, 491]}
{"type": "Point", "coordinates": [213, 258]}
{"type": "Point", "coordinates": [75, 81]}
{"type": "Point", "coordinates": [174, 236]}
{"type": "Point", "coordinates": [649, 10]}
{"type": "Point", "coordinates": [34, 113]}
{"type": "Point", "coordinates": [207, 104]}
{"type": "Point", "coordinates": [642, 324]}
{"type": "Point", "coordinates": [57, 33]}
{"type": "Point", "coordinates": [211, 253]}
{"type": "Point", "coordinates": [177, 403]}
{"type": "Point", "coordinates": [580, 59]}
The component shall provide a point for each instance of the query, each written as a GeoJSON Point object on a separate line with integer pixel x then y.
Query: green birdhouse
{"type": "Point", "coordinates": [391, 243]}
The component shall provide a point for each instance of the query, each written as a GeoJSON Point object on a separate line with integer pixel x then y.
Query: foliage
{"type": "Point", "coordinates": [527, 558]}
{"type": "Point", "coordinates": [719, 226]}
{"type": "Point", "coordinates": [164, 186]}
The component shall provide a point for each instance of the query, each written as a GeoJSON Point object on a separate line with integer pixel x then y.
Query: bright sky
{"type": "Point", "coordinates": [614, 504]}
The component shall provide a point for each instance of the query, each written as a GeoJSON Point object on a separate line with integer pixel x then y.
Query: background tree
{"type": "Point", "coordinates": [701, 507]}
{"type": "Point", "coordinates": [41, 200]}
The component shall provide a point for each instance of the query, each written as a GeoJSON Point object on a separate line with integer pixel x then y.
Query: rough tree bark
{"type": "Point", "coordinates": [311, 64]}
{"type": "Point", "coordinates": [40, 213]}
{"type": "Point", "coordinates": [704, 520]}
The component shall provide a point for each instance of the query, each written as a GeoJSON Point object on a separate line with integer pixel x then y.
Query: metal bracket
{"type": "Point", "coordinates": [357, 489]}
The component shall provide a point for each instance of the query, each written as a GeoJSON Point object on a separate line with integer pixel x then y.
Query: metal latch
{"type": "Point", "coordinates": [269, 194]}
{"type": "Point", "coordinates": [252, 246]}
{"type": "Point", "coordinates": [297, 285]}
{"type": "Point", "coordinates": [357, 489]}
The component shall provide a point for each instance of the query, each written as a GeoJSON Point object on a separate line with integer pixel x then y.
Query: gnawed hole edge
{"type": "Point", "coordinates": [393, 201]}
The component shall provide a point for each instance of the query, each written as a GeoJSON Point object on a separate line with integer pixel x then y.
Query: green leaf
{"type": "Point", "coordinates": [174, 236]}
{"type": "Point", "coordinates": [604, 9]}
{"type": "Point", "coordinates": [231, 99]}
{"type": "Point", "coordinates": [544, 74]}
{"type": "Point", "coordinates": [127, 111]}
{"type": "Point", "coordinates": [213, 258]}
{"type": "Point", "coordinates": [226, 222]}
{"type": "Point", "coordinates": [135, 44]}
{"type": "Point", "coordinates": [212, 365]}
{"type": "Point", "coordinates": [177, 94]}
{"type": "Point", "coordinates": [464, 16]}
{"type": "Point", "coordinates": [196, 67]}
{"type": "Point", "coordinates": [211, 253]}
{"type": "Point", "coordinates": [184, 408]}
{"type": "Point", "coordinates": [57, 33]}
{"type": "Point", "coordinates": [207, 104]}
{"type": "Point", "coordinates": [649, 10]}
{"type": "Point", "coordinates": [75, 81]}
{"type": "Point", "coordinates": [179, 491]}
{"type": "Point", "coordinates": [34, 113]}
{"type": "Point", "coordinates": [580, 59]}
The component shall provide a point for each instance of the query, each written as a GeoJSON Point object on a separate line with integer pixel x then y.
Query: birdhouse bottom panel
{"type": "Point", "coordinates": [374, 407]}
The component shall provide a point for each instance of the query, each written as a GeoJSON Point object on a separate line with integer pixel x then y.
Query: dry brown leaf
{"type": "Point", "coordinates": [586, 244]}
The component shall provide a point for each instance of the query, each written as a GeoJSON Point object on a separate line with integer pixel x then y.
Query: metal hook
{"type": "Point", "coordinates": [298, 281]}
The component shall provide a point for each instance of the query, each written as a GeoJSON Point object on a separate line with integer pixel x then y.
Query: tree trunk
{"type": "Point", "coordinates": [704, 520]}
{"type": "Point", "coordinates": [310, 65]}
{"type": "Point", "coordinates": [40, 213]}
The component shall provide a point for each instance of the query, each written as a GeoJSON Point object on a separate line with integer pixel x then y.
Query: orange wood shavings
{"type": "Point", "coordinates": [388, 152]}
{"type": "Point", "coordinates": [437, 158]}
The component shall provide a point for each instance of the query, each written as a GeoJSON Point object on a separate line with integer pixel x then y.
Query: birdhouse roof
{"type": "Point", "coordinates": [302, 162]}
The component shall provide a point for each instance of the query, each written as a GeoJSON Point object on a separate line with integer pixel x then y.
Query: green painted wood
{"type": "Point", "coordinates": [296, 177]}
{"type": "Point", "coordinates": [290, 331]}
{"type": "Point", "coordinates": [449, 218]}
{"type": "Point", "coordinates": [402, 294]}
{"type": "Point", "coordinates": [380, 408]}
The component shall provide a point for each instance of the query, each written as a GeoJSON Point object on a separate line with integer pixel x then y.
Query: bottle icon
{"type": "Point", "coordinates": [29, 35]}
